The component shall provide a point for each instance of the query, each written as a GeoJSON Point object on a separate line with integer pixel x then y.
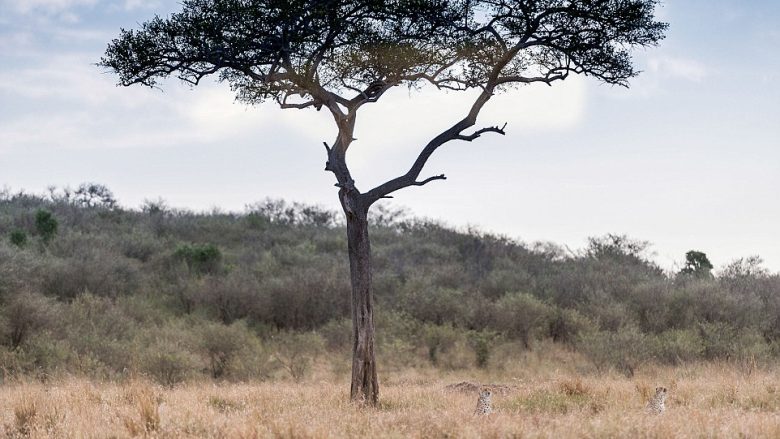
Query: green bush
{"type": "Point", "coordinates": [723, 341]}
{"type": "Point", "coordinates": [566, 325]}
{"type": "Point", "coordinates": [18, 238]}
{"type": "Point", "coordinates": [397, 337]}
{"type": "Point", "coordinates": [678, 346]}
{"type": "Point", "coordinates": [46, 225]}
{"type": "Point", "coordinates": [434, 304]}
{"type": "Point", "coordinates": [200, 258]}
{"type": "Point", "coordinates": [522, 316]}
{"type": "Point", "coordinates": [483, 343]}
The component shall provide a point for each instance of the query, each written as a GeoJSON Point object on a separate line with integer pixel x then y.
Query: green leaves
{"type": "Point", "coordinates": [46, 225]}
{"type": "Point", "coordinates": [278, 49]}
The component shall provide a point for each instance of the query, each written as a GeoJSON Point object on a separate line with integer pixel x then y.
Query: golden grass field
{"type": "Point", "coordinates": [547, 398]}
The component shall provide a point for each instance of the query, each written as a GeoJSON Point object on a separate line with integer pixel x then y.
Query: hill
{"type": "Point", "coordinates": [89, 288]}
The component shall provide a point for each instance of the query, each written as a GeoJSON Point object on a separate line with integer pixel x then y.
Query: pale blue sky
{"type": "Point", "coordinates": [688, 158]}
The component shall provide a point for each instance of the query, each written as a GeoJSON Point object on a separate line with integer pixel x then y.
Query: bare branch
{"type": "Point", "coordinates": [476, 134]}
{"type": "Point", "coordinates": [427, 180]}
{"type": "Point", "coordinates": [285, 105]}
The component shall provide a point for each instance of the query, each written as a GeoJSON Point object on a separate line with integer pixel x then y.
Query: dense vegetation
{"type": "Point", "coordinates": [87, 287]}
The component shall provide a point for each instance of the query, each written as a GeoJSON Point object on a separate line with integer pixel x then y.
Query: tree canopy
{"type": "Point", "coordinates": [278, 49]}
{"type": "Point", "coordinates": [342, 54]}
{"type": "Point", "coordinates": [697, 264]}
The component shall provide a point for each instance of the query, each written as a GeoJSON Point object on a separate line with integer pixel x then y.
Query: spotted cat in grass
{"type": "Point", "coordinates": [657, 403]}
{"type": "Point", "coordinates": [483, 403]}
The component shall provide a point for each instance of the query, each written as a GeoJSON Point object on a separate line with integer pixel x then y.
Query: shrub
{"type": "Point", "coordinates": [46, 225]}
{"type": "Point", "coordinates": [624, 350]}
{"type": "Point", "coordinates": [232, 297]}
{"type": "Point", "coordinates": [155, 207]}
{"type": "Point", "coordinates": [434, 304]}
{"type": "Point", "coordinates": [610, 314]}
{"type": "Point", "coordinates": [397, 337]}
{"type": "Point", "coordinates": [566, 325]}
{"type": "Point", "coordinates": [200, 258]}
{"type": "Point", "coordinates": [220, 344]}
{"type": "Point", "coordinates": [140, 246]}
{"type": "Point", "coordinates": [707, 301]}
{"type": "Point", "coordinates": [96, 270]}
{"type": "Point", "coordinates": [522, 316]}
{"type": "Point", "coordinates": [337, 333]}
{"type": "Point", "coordinates": [438, 339]}
{"type": "Point", "coordinates": [94, 195]}
{"type": "Point", "coordinates": [649, 304]}
{"type": "Point", "coordinates": [697, 264]}
{"type": "Point", "coordinates": [167, 363]}
{"type": "Point", "coordinates": [677, 346]}
{"type": "Point", "coordinates": [275, 211]}
{"type": "Point", "coordinates": [102, 331]}
{"type": "Point", "coordinates": [42, 355]}
{"type": "Point", "coordinates": [723, 341]}
{"type": "Point", "coordinates": [617, 247]}
{"type": "Point", "coordinates": [305, 295]}
{"type": "Point", "coordinates": [23, 315]}
{"type": "Point", "coordinates": [482, 342]}
{"type": "Point", "coordinates": [252, 361]}
{"type": "Point", "coordinates": [18, 238]}
{"type": "Point", "coordinates": [504, 279]}
{"type": "Point", "coordinates": [295, 351]}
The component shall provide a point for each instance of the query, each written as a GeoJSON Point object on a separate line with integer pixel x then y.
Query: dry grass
{"type": "Point", "coordinates": [704, 401]}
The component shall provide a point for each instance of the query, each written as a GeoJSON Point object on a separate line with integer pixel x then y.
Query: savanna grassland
{"type": "Point", "coordinates": [161, 322]}
{"type": "Point", "coordinates": [546, 397]}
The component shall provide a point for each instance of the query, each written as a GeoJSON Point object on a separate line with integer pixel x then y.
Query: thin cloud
{"type": "Point", "coordinates": [47, 5]}
{"type": "Point", "coordinates": [130, 5]}
{"type": "Point", "coordinates": [677, 68]}
{"type": "Point", "coordinates": [77, 107]}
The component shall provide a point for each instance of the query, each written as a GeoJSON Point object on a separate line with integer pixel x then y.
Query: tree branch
{"type": "Point", "coordinates": [427, 180]}
{"type": "Point", "coordinates": [371, 93]}
{"type": "Point", "coordinates": [285, 105]}
{"type": "Point", "coordinates": [453, 133]}
{"type": "Point", "coordinates": [476, 134]}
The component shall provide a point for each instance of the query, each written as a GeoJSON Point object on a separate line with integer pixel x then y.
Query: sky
{"type": "Point", "coordinates": [687, 158]}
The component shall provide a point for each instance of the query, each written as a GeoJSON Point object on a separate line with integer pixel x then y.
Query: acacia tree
{"type": "Point", "coordinates": [697, 264]}
{"type": "Point", "coordinates": [343, 54]}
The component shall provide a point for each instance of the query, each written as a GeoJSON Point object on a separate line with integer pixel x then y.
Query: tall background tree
{"type": "Point", "coordinates": [341, 55]}
{"type": "Point", "coordinates": [697, 264]}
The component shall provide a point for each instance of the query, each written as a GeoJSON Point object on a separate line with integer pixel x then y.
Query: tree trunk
{"type": "Point", "coordinates": [365, 387]}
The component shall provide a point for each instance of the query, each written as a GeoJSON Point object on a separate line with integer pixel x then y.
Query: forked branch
{"type": "Point", "coordinates": [476, 134]}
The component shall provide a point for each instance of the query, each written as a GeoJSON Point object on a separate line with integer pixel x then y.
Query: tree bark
{"type": "Point", "coordinates": [365, 386]}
